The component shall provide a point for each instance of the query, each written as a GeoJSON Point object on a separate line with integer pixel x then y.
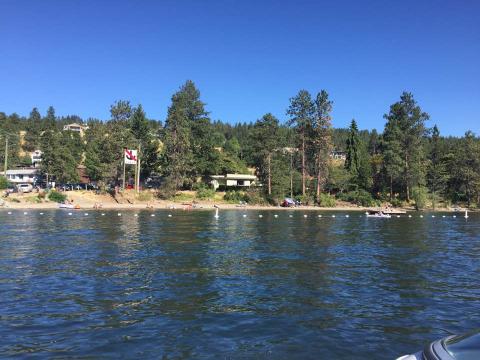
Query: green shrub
{"type": "Point", "coordinates": [255, 197]}
{"type": "Point", "coordinates": [204, 193]}
{"type": "Point", "coordinates": [234, 196]}
{"type": "Point", "coordinates": [326, 200]}
{"type": "Point", "coordinates": [419, 195]}
{"type": "Point", "coordinates": [396, 202]}
{"type": "Point", "coordinates": [3, 182]}
{"type": "Point", "coordinates": [33, 199]}
{"type": "Point", "coordinates": [57, 196]}
{"type": "Point", "coordinates": [359, 197]}
{"type": "Point", "coordinates": [304, 199]}
{"type": "Point", "coordinates": [167, 189]}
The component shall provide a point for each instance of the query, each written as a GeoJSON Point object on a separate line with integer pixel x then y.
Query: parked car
{"type": "Point", "coordinates": [457, 347]}
{"type": "Point", "coordinates": [287, 202]}
{"type": "Point", "coordinates": [25, 188]}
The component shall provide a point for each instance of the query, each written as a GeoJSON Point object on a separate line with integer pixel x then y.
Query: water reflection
{"type": "Point", "coordinates": [192, 286]}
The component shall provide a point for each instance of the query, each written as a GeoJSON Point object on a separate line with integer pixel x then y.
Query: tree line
{"type": "Point", "coordinates": [406, 163]}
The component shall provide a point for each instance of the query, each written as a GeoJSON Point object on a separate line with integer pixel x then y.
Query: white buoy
{"type": "Point", "coordinates": [290, 215]}
{"type": "Point", "coordinates": [305, 215]}
{"type": "Point", "coordinates": [347, 216]}
{"type": "Point", "coordinates": [454, 216]}
{"type": "Point", "coordinates": [244, 215]}
{"type": "Point", "coordinates": [70, 214]}
{"type": "Point", "coordinates": [260, 215]}
{"type": "Point", "coordinates": [25, 213]}
{"type": "Point", "coordinates": [319, 216]}
{"type": "Point", "coordinates": [366, 212]}
{"type": "Point", "coordinates": [119, 214]}
{"type": "Point", "coordinates": [135, 215]}
{"type": "Point", "coordinates": [333, 216]}
{"type": "Point", "coordinates": [398, 216]}
{"type": "Point", "coordinates": [103, 214]}
{"type": "Point", "coordinates": [466, 214]}
{"type": "Point", "coordinates": [443, 216]}
{"type": "Point", "coordinates": [275, 215]}
{"type": "Point", "coordinates": [409, 216]}
{"type": "Point", "coordinates": [433, 216]}
{"type": "Point", "coordinates": [421, 216]}
{"type": "Point", "coordinates": [169, 215]}
{"type": "Point", "coordinates": [86, 214]}
{"type": "Point", "coordinates": [150, 215]}
{"type": "Point", "coordinates": [9, 213]}
{"type": "Point", "coordinates": [41, 213]}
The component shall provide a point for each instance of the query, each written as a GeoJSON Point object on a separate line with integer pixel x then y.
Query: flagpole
{"type": "Point", "coordinates": [123, 169]}
{"type": "Point", "coordinates": [135, 176]}
{"type": "Point", "coordinates": [138, 167]}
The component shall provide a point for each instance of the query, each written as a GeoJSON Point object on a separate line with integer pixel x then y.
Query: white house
{"type": "Point", "coordinates": [338, 155]}
{"type": "Point", "coordinates": [22, 176]}
{"type": "Point", "coordinates": [234, 180]}
{"type": "Point", "coordinates": [36, 157]}
{"type": "Point", "coordinates": [76, 127]}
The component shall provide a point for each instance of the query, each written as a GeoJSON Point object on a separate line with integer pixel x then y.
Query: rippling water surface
{"type": "Point", "coordinates": [192, 286]}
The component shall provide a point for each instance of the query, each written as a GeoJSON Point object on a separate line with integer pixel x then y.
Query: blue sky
{"type": "Point", "coordinates": [246, 57]}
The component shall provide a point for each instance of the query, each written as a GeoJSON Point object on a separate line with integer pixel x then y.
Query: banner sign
{"type": "Point", "coordinates": [130, 156]}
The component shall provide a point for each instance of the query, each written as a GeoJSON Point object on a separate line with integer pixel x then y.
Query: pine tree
{"type": "Point", "coordinates": [121, 111]}
{"type": "Point", "coordinates": [352, 162]}
{"type": "Point", "coordinates": [266, 139]}
{"type": "Point", "coordinates": [33, 128]}
{"type": "Point", "coordinates": [50, 120]}
{"type": "Point", "coordinates": [301, 112]}
{"type": "Point", "coordinates": [391, 150]}
{"type": "Point", "coordinates": [408, 120]}
{"type": "Point", "coordinates": [178, 153]}
{"type": "Point", "coordinates": [437, 172]}
{"type": "Point", "coordinates": [321, 138]}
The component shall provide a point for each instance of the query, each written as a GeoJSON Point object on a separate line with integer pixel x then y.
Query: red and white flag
{"type": "Point", "coordinates": [130, 156]}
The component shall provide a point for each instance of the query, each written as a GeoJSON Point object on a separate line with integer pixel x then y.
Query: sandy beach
{"type": "Point", "coordinates": [128, 201]}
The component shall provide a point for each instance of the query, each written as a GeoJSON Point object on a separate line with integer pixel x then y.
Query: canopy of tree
{"type": "Point", "coordinates": [291, 158]}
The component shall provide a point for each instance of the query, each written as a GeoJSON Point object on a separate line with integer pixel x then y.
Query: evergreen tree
{"type": "Point", "coordinates": [408, 122]}
{"type": "Point", "coordinates": [59, 159]}
{"type": "Point", "coordinates": [321, 138]}
{"type": "Point", "coordinates": [139, 125]}
{"type": "Point", "coordinates": [33, 128]}
{"type": "Point", "coordinates": [121, 111]}
{"type": "Point", "coordinates": [352, 162]}
{"type": "Point", "coordinates": [50, 120]}
{"type": "Point", "coordinates": [301, 112]}
{"type": "Point", "coordinates": [465, 170]}
{"type": "Point", "coordinates": [437, 172]}
{"type": "Point", "coordinates": [391, 150]}
{"type": "Point", "coordinates": [178, 152]}
{"type": "Point", "coordinates": [266, 142]}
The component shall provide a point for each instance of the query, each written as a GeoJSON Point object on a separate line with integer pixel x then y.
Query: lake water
{"type": "Point", "coordinates": [192, 286]}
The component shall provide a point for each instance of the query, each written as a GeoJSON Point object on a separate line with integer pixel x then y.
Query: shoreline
{"type": "Point", "coordinates": [200, 206]}
{"type": "Point", "coordinates": [86, 200]}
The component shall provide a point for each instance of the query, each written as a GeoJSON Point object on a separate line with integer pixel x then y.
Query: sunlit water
{"type": "Point", "coordinates": [192, 286]}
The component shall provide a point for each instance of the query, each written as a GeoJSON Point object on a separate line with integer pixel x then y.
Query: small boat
{"type": "Point", "coordinates": [65, 206]}
{"type": "Point", "coordinates": [378, 214]}
{"type": "Point", "coordinates": [68, 206]}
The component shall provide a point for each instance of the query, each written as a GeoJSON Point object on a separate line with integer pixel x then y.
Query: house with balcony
{"type": "Point", "coordinates": [233, 181]}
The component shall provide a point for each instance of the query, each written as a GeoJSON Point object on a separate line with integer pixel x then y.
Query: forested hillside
{"type": "Point", "coordinates": [408, 162]}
